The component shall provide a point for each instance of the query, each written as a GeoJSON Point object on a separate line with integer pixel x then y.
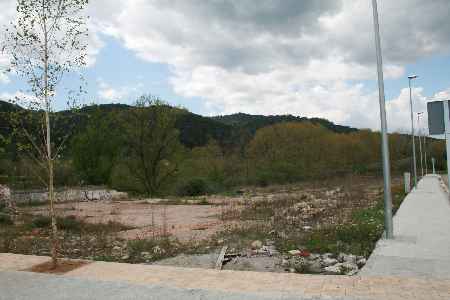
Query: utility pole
{"type": "Point", "coordinates": [384, 138]}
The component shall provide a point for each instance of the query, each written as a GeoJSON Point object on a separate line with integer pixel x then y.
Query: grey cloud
{"type": "Point", "coordinates": [285, 17]}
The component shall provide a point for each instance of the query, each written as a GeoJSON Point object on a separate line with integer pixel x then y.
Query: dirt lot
{"type": "Point", "coordinates": [321, 227]}
{"type": "Point", "coordinates": [184, 222]}
{"type": "Point", "coordinates": [199, 218]}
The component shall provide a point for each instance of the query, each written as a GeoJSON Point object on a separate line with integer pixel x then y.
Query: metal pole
{"type": "Point", "coordinates": [384, 137]}
{"type": "Point", "coordinates": [425, 154]}
{"type": "Point", "coordinates": [412, 134]}
{"type": "Point", "coordinates": [447, 134]}
{"type": "Point", "coordinates": [419, 135]}
{"type": "Point", "coordinates": [433, 161]}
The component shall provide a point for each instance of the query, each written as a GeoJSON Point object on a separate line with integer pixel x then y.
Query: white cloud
{"type": "Point", "coordinates": [23, 99]}
{"type": "Point", "coordinates": [116, 94]}
{"type": "Point", "coordinates": [298, 57]}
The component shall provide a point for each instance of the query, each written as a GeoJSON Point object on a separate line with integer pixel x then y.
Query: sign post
{"type": "Point", "coordinates": [439, 124]}
{"type": "Point", "coordinates": [447, 133]}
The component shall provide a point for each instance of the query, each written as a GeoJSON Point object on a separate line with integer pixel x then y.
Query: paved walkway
{"type": "Point", "coordinates": [415, 265]}
{"type": "Point", "coordinates": [421, 247]}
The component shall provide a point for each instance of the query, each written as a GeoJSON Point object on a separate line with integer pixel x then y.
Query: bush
{"type": "Point", "coordinates": [194, 187]}
{"type": "Point", "coordinates": [66, 223]}
{"type": "Point", "coordinates": [69, 223]}
{"type": "Point", "coordinates": [41, 222]}
{"type": "Point", "coordinates": [5, 219]}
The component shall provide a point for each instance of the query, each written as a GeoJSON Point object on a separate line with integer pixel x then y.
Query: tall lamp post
{"type": "Point", "coordinates": [411, 77]}
{"type": "Point", "coordinates": [384, 138]}
{"type": "Point", "coordinates": [419, 134]}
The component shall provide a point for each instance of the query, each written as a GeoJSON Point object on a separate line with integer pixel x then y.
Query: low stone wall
{"type": "Point", "coordinates": [69, 195]}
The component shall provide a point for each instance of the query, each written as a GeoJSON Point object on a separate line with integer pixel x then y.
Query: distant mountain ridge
{"type": "Point", "coordinates": [195, 130]}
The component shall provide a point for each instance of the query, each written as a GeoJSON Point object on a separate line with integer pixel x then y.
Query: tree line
{"type": "Point", "coordinates": [140, 149]}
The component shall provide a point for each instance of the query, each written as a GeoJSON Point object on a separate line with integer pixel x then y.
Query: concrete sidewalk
{"type": "Point", "coordinates": [421, 244]}
{"type": "Point", "coordinates": [104, 280]}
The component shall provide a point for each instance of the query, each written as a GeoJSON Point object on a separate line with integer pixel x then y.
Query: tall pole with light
{"type": "Point", "coordinates": [419, 134]}
{"type": "Point", "coordinates": [384, 138]}
{"type": "Point", "coordinates": [411, 77]}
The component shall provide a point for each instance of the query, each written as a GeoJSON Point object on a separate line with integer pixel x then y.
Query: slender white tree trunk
{"type": "Point", "coordinates": [51, 192]}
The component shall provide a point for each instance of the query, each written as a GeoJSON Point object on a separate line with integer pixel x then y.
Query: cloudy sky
{"type": "Point", "coordinates": [313, 58]}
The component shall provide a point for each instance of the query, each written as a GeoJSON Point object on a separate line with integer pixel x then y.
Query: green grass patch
{"type": "Point", "coordinates": [74, 225]}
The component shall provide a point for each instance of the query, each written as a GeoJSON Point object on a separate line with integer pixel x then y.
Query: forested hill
{"type": "Point", "coordinates": [195, 130]}
{"type": "Point", "coordinates": [254, 122]}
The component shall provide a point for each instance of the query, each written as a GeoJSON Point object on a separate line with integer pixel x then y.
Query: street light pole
{"type": "Point", "coordinates": [412, 129]}
{"type": "Point", "coordinates": [419, 133]}
{"type": "Point", "coordinates": [384, 138]}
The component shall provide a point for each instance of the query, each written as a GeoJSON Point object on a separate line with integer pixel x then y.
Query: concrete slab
{"type": "Point", "coordinates": [105, 280]}
{"type": "Point", "coordinates": [17, 262]}
{"type": "Point", "coordinates": [421, 244]}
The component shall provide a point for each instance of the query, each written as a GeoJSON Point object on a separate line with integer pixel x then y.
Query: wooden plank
{"type": "Point", "coordinates": [221, 257]}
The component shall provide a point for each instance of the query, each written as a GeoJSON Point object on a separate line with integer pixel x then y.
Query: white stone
{"type": "Point", "coordinates": [294, 252]}
{"type": "Point", "coordinates": [334, 270]}
{"type": "Point", "coordinates": [329, 261]}
{"type": "Point", "coordinates": [256, 244]}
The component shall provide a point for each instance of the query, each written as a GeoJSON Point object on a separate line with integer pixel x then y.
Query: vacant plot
{"type": "Point", "coordinates": [299, 228]}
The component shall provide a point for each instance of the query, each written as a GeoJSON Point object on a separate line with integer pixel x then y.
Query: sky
{"type": "Point", "coordinates": [313, 58]}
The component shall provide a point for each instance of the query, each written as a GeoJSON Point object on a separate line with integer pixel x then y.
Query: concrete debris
{"type": "Point", "coordinates": [256, 245]}
{"type": "Point", "coordinates": [327, 261]}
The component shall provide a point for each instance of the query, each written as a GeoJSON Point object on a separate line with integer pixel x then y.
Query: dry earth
{"type": "Point", "coordinates": [186, 219]}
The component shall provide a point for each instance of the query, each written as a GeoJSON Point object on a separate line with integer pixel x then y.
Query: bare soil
{"type": "Point", "coordinates": [187, 220]}
{"type": "Point", "coordinates": [63, 267]}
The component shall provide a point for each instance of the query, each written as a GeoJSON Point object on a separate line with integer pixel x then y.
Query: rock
{"type": "Point", "coordinates": [270, 243]}
{"type": "Point", "coordinates": [272, 250]}
{"type": "Point", "coordinates": [350, 258]}
{"type": "Point", "coordinates": [292, 270]}
{"type": "Point", "coordinates": [327, 255]}
{"type": "Point", "coordinates": [145, 253]}
{"type": "Point", "coordinates": [314, 267]}
{"type": "Point", "coordinates": [300, 264]}
{"type": "Point", "coordinates": [326, 262]}
{"type": "Point", "coordinates": [256, 244]}
{"type": "Point", "coordinates": [158, 250]}
{"type": "Point", "coordinates": [349, 268]}
{"type": "Point", "coordinates": [117, 248]}
{"type": "Point", "coordinates": [285, 263]}
{"type": "Point", "coordinates": [313, 256]}
{"type": "Point", "coordinates": [307, 228]}
{"type": "Point", "coordinates": [295, 252]}
{"type": "Point", "coordinates": [334, 270]}
{"type": "Point", "coordinates": [125, 257]}
{"type": "Point", "coordinates": [361, 262]}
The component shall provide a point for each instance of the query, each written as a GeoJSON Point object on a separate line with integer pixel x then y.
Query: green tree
{"type": "Point", "coordinates": [153, 150]}
{"type": "Point", "coordinates": [95, 149]}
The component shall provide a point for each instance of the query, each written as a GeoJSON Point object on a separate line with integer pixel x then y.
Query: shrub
{"type": "Point", "coordinates": [194, 187]}
{"type": "Point", "coordinates": [5, 219]}
{"type": "Point", "coordinates": [69, 223]}
{"type": "Point", "coordinates": [41, 222]}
